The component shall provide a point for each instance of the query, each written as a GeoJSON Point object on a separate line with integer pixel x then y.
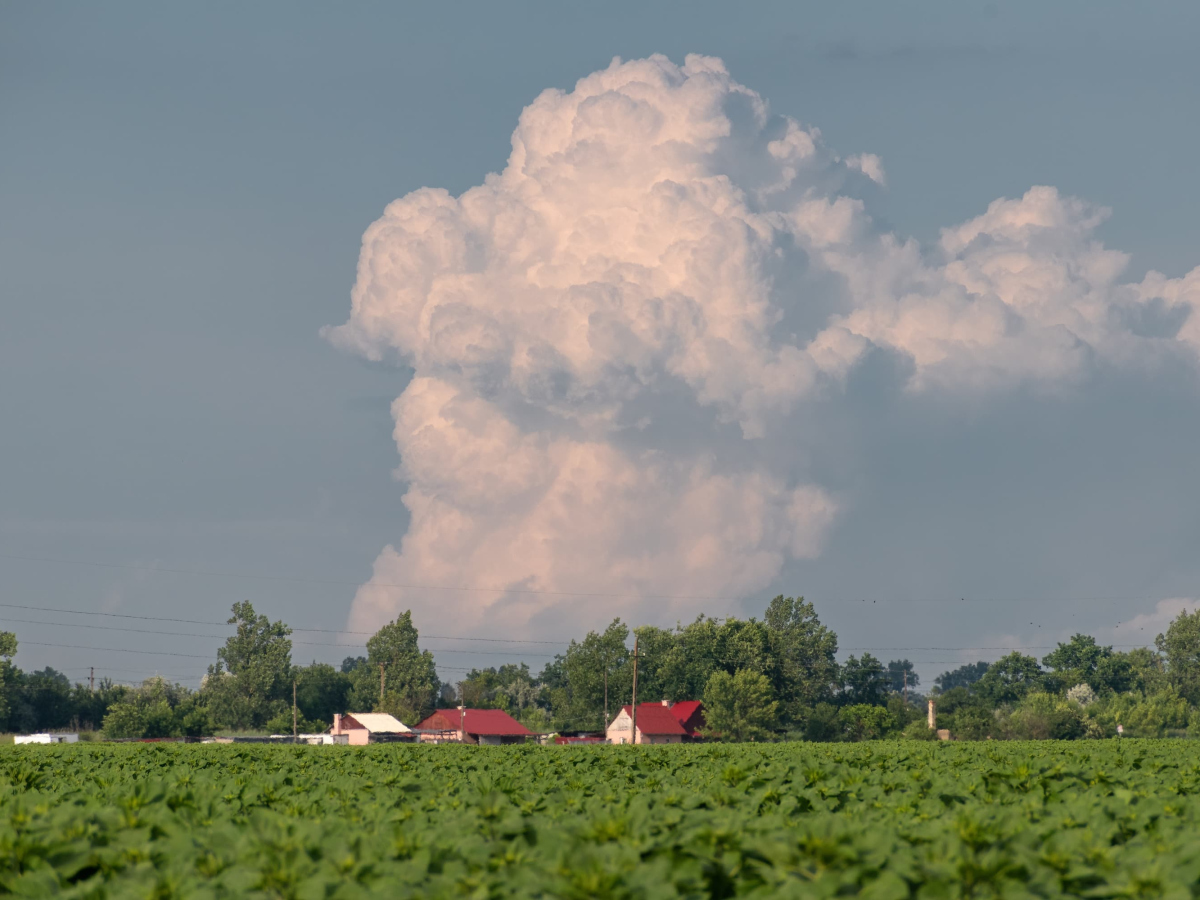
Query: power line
{"type": "Point", "coordinates": [116, 650]}
{"type": "Point", "coordinates": [514, 590]}
{"type": "Point", "coordinates": [184, 655]}
{"type": "Point", "coordinates": [345, 583]}
{"type": "Point", "coordinates": [491, 653]}
{"type": "Point", "coordinates": [84, 612]}
{"type": "Point", "coordinates": [111, 628]}
{"type": "Point", "coordinates": [223, 637]}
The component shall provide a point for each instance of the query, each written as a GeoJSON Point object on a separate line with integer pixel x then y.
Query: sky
{"type": "Point", "coordinates": [651, 368]}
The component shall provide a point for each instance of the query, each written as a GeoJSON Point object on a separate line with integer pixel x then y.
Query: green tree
{"type": "Point", "coordinates": [1083, 661]}
{"type": "Point", "coordinates": [575, 680]}
{"type": "Point", "coordinates": [91, 706]}
{"type": "Point", "coordinates": [510, 687]}
{"type": "Point", "coordinates": [963, 676]}
{"type": "Point", "coordinates": [9, 675]}
{"type": "Point", "coordinates": [43, 701]}
{"type": "Point", "coordinates": [156, 710]}
{"type": "Point", "coordinates": [410, 677]}
{"type": "Point", "coordinates": [251, 679]}
{"type": "Point", "coordinates": [901, 675]}
{"type": "Point", "coordinates": [321, 691]}
{"type": "Point", "coordinates": [1147, 672]}
{"type": "Point", "coordinates": [1181, 647]}
{"type": "Point", "coordinates": [678, 666]}
{"type": "Point", "coordinates": [803, 667]}
{"type": "Point", "coordinates": [1009, 678]}
{"type": "Point", "coordinates": [821, 723]}
{"type": "Point", "coordinates": [864, 681]}
{"type": "Point", "coordinates": [740, 707]}
{"type": "Point", "coordinates": [1041, 716]}
{"type": "Point", "coordinates": [1154, 715]}
{"type": "Point", "coordinates": [866, 722]}
{"type": "Point", "coordinates": [663, 670]}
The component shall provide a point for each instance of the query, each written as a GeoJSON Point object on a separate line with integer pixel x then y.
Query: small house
{"type": "Point", "coordinates": [689, 714]}
{"type": "Point", "coordinates": [362, 727]}
{"type": "Point", "coordinates": [655, 725]}
{"type": "Point", "coordinates": [473, 726]}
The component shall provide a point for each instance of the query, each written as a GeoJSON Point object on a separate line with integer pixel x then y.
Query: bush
{"type": "Point", "coordinates": [821, 723]}
{"type": "Point", "coordinates": [281, 723]}
{"type": "Point", "coordinates": [972, 723]}
{"type": "Point", "coordinates": [1041, 716]}
{"type": "Point", "coordinates": [866, 722]}
{"type": "Point", "coordinates": [1156, 715]}
{"type": "Point", "coordinates": [157, 709]}
{"type": "Point", "coordinates": [1082, 694]}
{"type": "Point", "coordinates": [919, 731]}
{"type": "Point", "coordinates": [739, 707]}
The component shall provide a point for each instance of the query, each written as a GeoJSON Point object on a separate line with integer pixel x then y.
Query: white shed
{"type": "Point", "coordinates": [45, 738]}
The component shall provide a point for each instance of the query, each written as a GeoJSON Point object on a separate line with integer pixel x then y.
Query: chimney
{"type": "Point", "coordinates": [932, 714]}
{"type": "Point", "coordinates": [667, 704]}
{"type": "Point", "coordinates": [337, 724]}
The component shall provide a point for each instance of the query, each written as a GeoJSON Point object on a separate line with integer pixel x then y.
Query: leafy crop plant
{"type": "Point", "coordinates": [879, 820]}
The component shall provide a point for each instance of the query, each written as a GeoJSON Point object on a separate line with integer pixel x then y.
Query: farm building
{"type": "Point", "coordinates": [44, 738]}
{"type": "Point", "coordinates": [362, 727]}
{"type": "Point", "coordinates": [689, 714]}
{"type": "Point", "coordinates": [474, 726]}
{"type": "Point", "coordinates": [655, 725]}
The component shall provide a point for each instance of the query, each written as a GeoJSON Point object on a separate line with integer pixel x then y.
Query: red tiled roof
{"type": "Point", "coordinates": [654, 718]}
{"type": "Point", "coordinates": [477, 721]}
{"type": "Point", "coordinates": [689, 714]}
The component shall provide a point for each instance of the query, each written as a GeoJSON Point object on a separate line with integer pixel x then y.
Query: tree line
{"type": "Point", "coordinates": [772, 678]}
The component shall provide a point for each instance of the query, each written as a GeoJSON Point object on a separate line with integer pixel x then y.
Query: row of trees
{"type": "Point", "coordinates": [248, 688]}
{"type": "Point", "coordinates": [1081, 689]}
{"type": "Point", "coordinates": [759, 679]}
{"type": "Point", "coordinates": [779, 676]}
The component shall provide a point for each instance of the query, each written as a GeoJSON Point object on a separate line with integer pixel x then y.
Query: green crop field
{"type": "Point", "coordinates": [901, 819]}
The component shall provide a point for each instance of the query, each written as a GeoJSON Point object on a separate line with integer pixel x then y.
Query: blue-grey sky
{"type": "Point", "coordinates": [183, 195]}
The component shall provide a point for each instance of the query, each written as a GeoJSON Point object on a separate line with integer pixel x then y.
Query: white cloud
{"type": "Point", "coordinates": [636, 257]}
{"type": "Point", "coordinates": [870, 165]}
{"type": "Point", "coordinates": [1143, 628]}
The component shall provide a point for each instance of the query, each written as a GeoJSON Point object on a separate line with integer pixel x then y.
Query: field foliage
{"type": "Point", "coordinates": [880, 820]}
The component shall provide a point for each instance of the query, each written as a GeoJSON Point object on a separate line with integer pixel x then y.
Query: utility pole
{"type": "Point", "coordinates": [633, 718]}
{"type": "Point", "coordinates": [906, 687]}
{"type": "Point", "coordinates": [381, 686]}
{"type": "Point", "coordinates": [462, 713]}
{"type": "Point", "coordinates": [92, 681]}
{"type": "Point", "coordinates": [606, 719]}
{"type": "Point", "coordinates": [295, 727]}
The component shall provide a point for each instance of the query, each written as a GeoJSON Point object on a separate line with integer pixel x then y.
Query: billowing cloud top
{"type": "Point", "coordinates": [660, 246]}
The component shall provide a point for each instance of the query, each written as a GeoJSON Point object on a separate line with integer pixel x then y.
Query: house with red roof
{"type": "Point", "coordinates": [655, 725]}
{"type": "Point", "coordinates": [689, 714]}
{"type": "Point", "coordinates": [473, 726]}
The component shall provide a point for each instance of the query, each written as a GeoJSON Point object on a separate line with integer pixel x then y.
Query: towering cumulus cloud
{"type": "Point", "coordinates": [609, 336]}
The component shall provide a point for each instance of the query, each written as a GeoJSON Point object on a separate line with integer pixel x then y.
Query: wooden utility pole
{"type": "Point", "coordinates": [381, 686]}
{"type": "Point", "coordinates": [92, 681]}
{"type": "Point", "coordinates": [633, 718]}
{"type": "Point", "coordinates": [295, 727]}
{"type": "Point", "coordinates": [606, 719]}
{"type": "Point", "coordinates": [462, 713]}
{"type": "Point", "coordinates": [906, 687]}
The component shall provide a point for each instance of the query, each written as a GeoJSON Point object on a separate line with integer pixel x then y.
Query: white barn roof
{"type": "Point", "coordinates": [375, 722]}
